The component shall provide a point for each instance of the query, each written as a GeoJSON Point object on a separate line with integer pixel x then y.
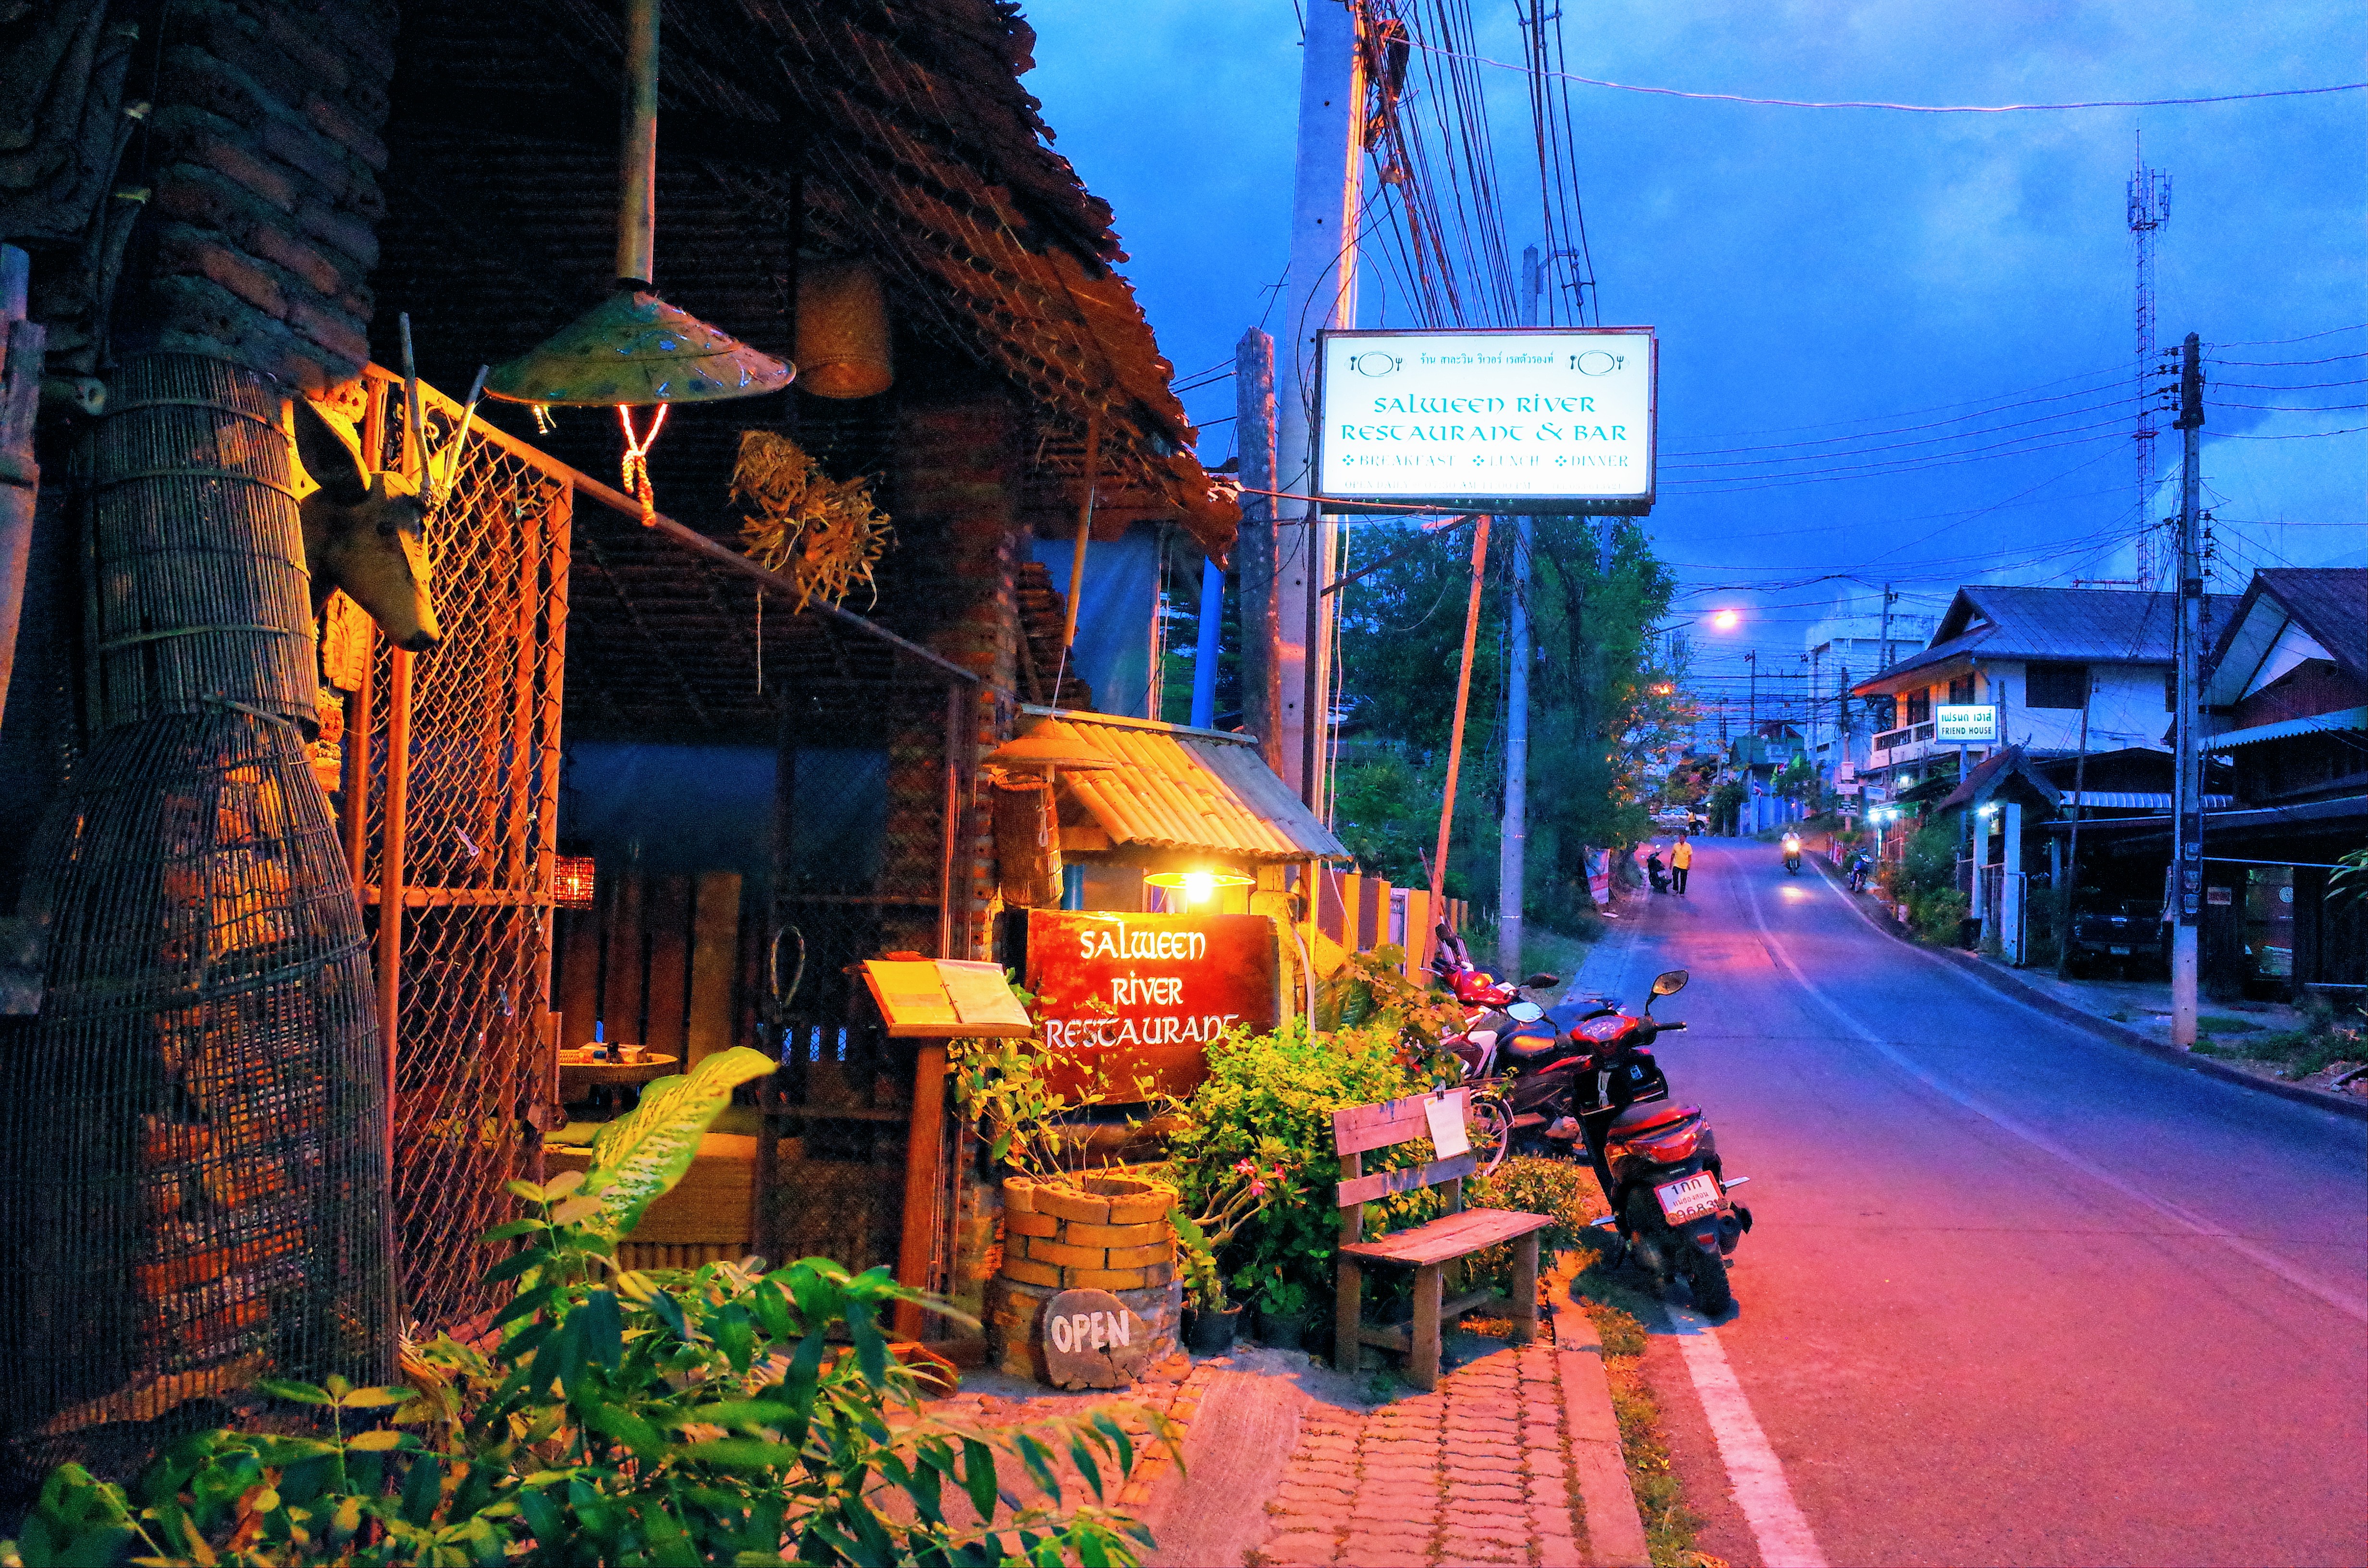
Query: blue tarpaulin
{"type": "Point", "coordinates": [1113, 648]}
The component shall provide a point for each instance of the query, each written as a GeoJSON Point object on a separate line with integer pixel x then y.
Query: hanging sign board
{"type": "Point", "coordinates": [1530, 419]}
{"type": "Point", "coordinates": [1959, 721]}
{"type": "Point", "coordinates": [1142, 995]}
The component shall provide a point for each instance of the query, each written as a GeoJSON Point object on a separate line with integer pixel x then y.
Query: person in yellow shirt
{"type": "Point", "coordinates": [1681, 861]}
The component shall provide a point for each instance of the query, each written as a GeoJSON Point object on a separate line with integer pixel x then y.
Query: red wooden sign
{"type": "Point", "coordinates": [1143, 995]}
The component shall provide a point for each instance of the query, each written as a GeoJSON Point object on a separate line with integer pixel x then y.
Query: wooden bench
{"type": "Point", "coordinates": [1427, 1248]}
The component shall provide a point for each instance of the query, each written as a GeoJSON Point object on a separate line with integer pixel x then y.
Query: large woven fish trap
{"type": "Point", "coordinates": [193, 1181]}
{"type": "Point", "coordinates": [202, 592]}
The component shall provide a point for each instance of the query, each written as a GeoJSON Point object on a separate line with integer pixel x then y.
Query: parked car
{"type": "Point", "coordinates": [2123, 933]}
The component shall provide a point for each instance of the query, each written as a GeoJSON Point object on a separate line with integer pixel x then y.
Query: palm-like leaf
{"type": "Point", "coordinates": [639, 1157]}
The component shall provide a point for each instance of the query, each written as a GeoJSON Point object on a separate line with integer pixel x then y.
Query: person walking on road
{"type": "Point", "coordinates": [1681, 861]}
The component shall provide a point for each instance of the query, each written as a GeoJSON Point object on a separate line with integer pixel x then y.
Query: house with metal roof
{"type": "Point", "coordinates": [2067, 670]}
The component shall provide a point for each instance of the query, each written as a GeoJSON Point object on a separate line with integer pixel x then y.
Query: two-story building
{"type": "Point", "coordinates": [2068, 670]}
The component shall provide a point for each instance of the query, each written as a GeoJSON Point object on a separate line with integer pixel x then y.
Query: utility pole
{"type": "Point", "coordinates": [1261, 654]}
{"type": "Point", "coordinates": [2149, 211]}
{"type": "Point", "coordinates": [1888, 599]}
{"type": "Point", "coordinates": [1326, 191]}
{"type": "Point", "coordinates": [1512, 842]}
{"type": "Point", "coordinates": [2187, 843]}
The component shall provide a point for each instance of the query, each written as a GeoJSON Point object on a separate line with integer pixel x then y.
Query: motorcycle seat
{"type": "Point", "coordinates": [1639, 1119]}
{"type": "Point", "coordinates": [1533, 1047]}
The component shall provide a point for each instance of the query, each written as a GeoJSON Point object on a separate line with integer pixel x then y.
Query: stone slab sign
{"type": "Point", "coordinates": [1093, 1341]}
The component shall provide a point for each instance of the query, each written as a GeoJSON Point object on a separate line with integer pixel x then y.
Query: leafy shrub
{"type": "Point", "coordinates": [1269, 1092]}
{"type": "Point", "coordinates": [1565, 1189]}
{"type": "Point", "coordinates": [1370, 989]}
{"type": "Point", "coordinates": [616, 1417]}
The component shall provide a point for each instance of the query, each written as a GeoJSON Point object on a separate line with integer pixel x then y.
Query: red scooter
{"type": "Point", "coordinates": [1582, 1074]}
{"type": "Point", "coordinates": [1658, 1162]}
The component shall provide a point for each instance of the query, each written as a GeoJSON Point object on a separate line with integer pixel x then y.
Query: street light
{"type": "Point", "coordinates": [1728, 619]}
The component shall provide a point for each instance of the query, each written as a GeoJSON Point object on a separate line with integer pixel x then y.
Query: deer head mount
{"type": "Point", "coordinates": [364, 532]}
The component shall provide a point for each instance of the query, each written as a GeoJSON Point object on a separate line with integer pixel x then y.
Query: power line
{"type": "Point", "coordinates": [1919, 109]}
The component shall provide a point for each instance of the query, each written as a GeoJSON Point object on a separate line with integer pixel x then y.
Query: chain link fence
{"type": "Point", "coordinates": [459, 800]}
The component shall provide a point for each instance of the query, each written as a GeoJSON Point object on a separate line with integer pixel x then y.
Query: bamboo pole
{"type": "Point", "coordinates": [1077, 560]}
{"type": "Point", "coordinates": [1455, 738]}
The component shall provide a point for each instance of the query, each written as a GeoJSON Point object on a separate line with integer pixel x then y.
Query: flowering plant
{"type": "Point", "coordinates": [1246, 1188]}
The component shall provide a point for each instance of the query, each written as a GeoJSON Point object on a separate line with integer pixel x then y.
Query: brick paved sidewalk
{"type": "Point", "coordinates": [1475, 1471]}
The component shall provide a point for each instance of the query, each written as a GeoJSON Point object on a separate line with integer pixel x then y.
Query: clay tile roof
{"type": "Point", "coordinates": [1175, 788]}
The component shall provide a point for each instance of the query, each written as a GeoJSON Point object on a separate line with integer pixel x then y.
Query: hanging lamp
{"type": "Point", "coordinates": [633, 350]}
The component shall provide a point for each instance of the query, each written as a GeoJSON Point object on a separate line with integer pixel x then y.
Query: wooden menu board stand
{"type": "Point", "coordinates": [935, 1000]}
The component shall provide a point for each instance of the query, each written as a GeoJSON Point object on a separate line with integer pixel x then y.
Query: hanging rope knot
{"type": "Point", "coordinates": [636, 464]}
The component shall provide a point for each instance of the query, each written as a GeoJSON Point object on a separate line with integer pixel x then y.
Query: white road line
{"type": "Point", "coordinates": [2175, 1213]}
{"type": "Point", "coordinates": [1753, 1471]}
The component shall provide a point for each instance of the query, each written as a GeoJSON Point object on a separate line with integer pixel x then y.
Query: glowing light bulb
{"type": "Point", "coordinates": [1198, 887]}
{"type": "Point", "coordinates": [1726, 619]}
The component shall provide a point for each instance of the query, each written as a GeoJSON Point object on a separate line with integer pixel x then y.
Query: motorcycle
{"type": "Point", "coordinates": [1792, 852]}
{"type": "Point", "coordinates": [1653, 870]}
{"type": "Point", "coordinates": [1658, 1160]}
{"type": "Point", "coordinates": [1857, 874]}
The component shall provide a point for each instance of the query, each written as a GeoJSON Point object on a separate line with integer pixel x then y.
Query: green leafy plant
{"type": "Point", "coordinates": [722, 1415]}
{"type": "Point", "coordinates": [1269, 1098]}
{"type": "Point", "coordinates": [1013, 1091]}
{"type": "Point", "coordinates": [1225, 1206]}
{"type": "Point", "coordinates": [1372, 987]}
{"type": "Point", "coordinates": [1281, 1296]}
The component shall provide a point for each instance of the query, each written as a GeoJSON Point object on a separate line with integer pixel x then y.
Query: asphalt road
{"type": "Point", "coordinates": [2015, 1294]}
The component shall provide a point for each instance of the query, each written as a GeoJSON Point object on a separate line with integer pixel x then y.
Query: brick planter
{"type": "Point", "coordinates": [1102, 1232]}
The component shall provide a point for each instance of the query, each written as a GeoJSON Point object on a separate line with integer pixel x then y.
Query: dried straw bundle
{"type": "Point", "coordinates": [824, 534]}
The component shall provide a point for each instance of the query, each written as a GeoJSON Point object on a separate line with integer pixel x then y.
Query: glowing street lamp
{"type": "Point", "coordinates": [1728, 619]}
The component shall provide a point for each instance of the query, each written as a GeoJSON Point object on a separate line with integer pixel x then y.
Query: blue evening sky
{"type": "Point", "coordinates": [1825, 273]}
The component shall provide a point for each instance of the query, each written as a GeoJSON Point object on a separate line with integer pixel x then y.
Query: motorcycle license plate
{"type": "Point", "coordinates": [2119, 952]}
{"type": "Point", "coordinates": [1690, 1199]}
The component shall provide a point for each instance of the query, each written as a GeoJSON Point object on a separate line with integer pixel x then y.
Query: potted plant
{"type": "Point", "coordinates": [1281, 1311]}
{"type": "Point", "coordinates": [1211, 1320]}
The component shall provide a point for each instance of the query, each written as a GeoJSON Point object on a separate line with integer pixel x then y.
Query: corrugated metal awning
{"type": "Point", "coordinates": [2310, 724]}
{"type": "Point", "coordinates": [1178, 788]}
{"type": "Point", "coordinates": [2138, 801]}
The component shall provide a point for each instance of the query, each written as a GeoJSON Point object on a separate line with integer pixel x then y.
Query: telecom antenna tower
{"type": "Point", "coordinates": [2149, 208]}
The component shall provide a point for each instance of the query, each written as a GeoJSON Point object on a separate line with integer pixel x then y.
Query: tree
{"type": "Point", "coordinates": [1599, 711]}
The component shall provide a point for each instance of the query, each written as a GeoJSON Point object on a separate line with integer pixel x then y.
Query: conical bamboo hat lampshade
{"type": "Point", "coordinates": [1048, 743]}
{"type": "Point", "coordinates": [633, 349]}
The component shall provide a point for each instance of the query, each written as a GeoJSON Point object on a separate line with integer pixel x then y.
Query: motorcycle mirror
{"type": "Point", "coordinates": [1670, 983]}
{"type": "Point", "coordinates": [1525, 1012]}
{"type": "Point", "coordinates": [1544, 980]}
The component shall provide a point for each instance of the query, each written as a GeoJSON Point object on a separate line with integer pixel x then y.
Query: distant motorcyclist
{"type": "Point", "coordinates": [1792, 850]}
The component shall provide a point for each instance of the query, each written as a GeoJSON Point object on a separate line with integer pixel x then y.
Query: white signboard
{"type": "Point", "coordinates": [1955, 721]}
{"type": "Point", "coordinates": [1547, 419]}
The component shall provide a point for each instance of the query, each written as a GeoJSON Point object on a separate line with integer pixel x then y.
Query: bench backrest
{"type": "Point", "coordinates": [1360, 1129]}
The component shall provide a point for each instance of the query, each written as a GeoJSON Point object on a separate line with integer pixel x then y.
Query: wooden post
{"type": "Point", "coordinates": [921, 1169]}
{"type": "Point", "coordinates": [1419, 950]}
{"type": "Point", "coordinates": [1077, 559]}
{"type": "Point", "coordinates": [21, 345]}
{"type": "Point", "coordinates": [951, 930]}
{"type": "Point", "coordinates": [391, 871]}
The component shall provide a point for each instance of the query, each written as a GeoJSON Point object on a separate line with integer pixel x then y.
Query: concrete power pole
{"type": "Point", "coordinates": [1261, 668]}
{"type": "Point", "coordinates": [1326, 189]}
{"type": "Point", "coordinates": [1512, 842]}
{"type": "Point", "coordinates": [2187, 843]}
